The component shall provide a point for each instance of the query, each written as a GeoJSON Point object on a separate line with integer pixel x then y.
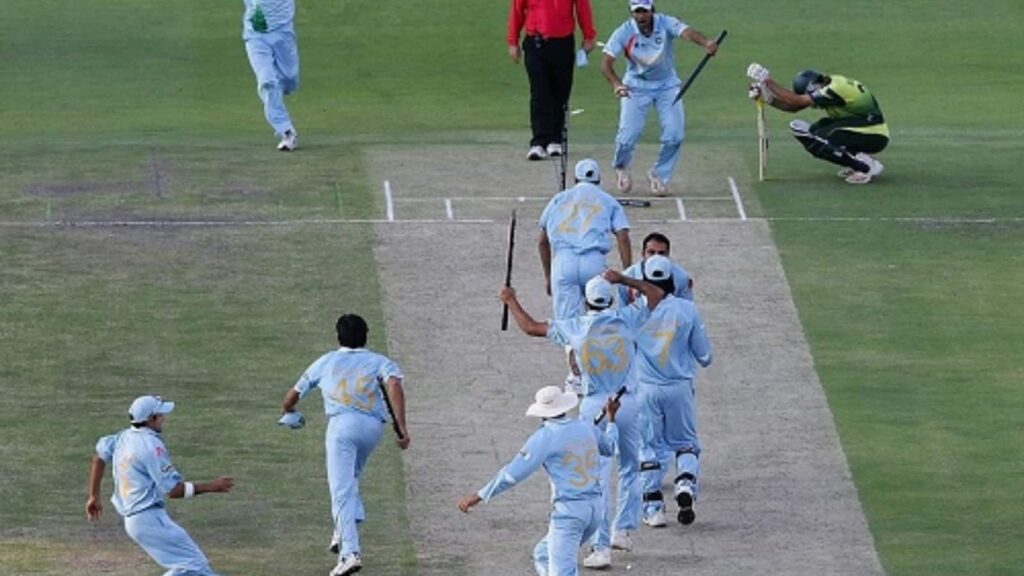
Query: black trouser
{"type": "Point", "coordinates": [833, 141]}
{"type": "Point", "coordinates": [835, 131]}
{"type": "Point", "coordinates": [549, 65]}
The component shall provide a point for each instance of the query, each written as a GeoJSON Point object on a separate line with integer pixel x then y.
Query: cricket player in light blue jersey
{"type": "Point", "coordinates": [269, 34]}
{"type": "Point", "coordinates": [603, 340]}
{"type": "Point", "coordinates": [646, 41]}
{"type": "Point", "coordinates": [576, 230]}
{"type": "Point", "coordinates": [657, 244]}
{"type": "Point", "coordinates": [671, 344]}
{"type": "Point", "coordinates": [568, 449]}
{"type": "Point", "coordinates": [349, 380]}
{"type": "Point", "coordinates": [143, 478]}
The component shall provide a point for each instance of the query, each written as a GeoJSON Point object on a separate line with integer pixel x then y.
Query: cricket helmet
{"type": "Point", "coordinates": [806, 78]}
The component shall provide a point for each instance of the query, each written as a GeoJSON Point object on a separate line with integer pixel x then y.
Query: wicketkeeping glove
{"type": "Point", "coordinates": [293, 420]}
{"type": "Point", "coordinates": [757, 73]}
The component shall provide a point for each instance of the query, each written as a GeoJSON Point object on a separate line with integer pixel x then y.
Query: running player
{"type": "Point", "coordinates": [143, 478]}
{"type": "Point", "coordinates": [576, 230]}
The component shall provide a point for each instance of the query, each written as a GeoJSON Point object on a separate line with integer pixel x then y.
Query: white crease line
{"type": "Point", "coordinates": [682, 210]}
{"type": "Point", "coordinates": [521, 199]}
{"type": "Point", "coordinates": [448, 209]}
{"type": "Point", "coordinates": [389, 202]}
{"type": "Point", "coordinates": [736, 197]}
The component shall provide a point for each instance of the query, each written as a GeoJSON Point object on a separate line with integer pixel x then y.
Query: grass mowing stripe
{"type": "Point", "coordinates": [914, 330]}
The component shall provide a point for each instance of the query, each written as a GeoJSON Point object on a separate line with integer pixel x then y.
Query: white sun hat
{"type": "Point", "coordinates": [551, 401]}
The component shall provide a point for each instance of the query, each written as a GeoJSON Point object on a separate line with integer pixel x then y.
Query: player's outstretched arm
{"type": "Point", "coordinates": [526, 323]}
{"type": "Point", "coordinates": [93, 508]}
{"type": "Point", "coordinates": [181, 489]}
{"type": "Point", "coordinates": [708, 44]}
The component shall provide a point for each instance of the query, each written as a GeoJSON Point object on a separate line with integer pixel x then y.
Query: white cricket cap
{"type": "Point", "coordinates": [657, 268]}
{"type": "Point", "coordinates": [550, 401]}
{"type": "Point", "coordinates": [599, 292]}
{"type": "Point", "coordinates": [587, 170]}
{"type": "Point", "coordinates": [145, 406]}
{"type": "Point", "coordinates": [641, 5]}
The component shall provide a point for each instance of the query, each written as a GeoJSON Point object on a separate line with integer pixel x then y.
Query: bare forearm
{"type": "Point", "coordinates": [396, 394]}
{"type": "Point", "coordinates": [291, 398]}
{"type": "Point", "coordinates": [649, 290]}
{"type": "Point", "coordinates": [625, 248]}
{"type": "Point", "coordinates": [544, 249]}
{"type": "Point", "coordinates": [784, 99]}
{"type": "Point", "coordinates": [608, 70]}
{"type": "Point", "coordinates": [694, 35]}
{"type": "Point", "coordinates": [526, 323]}
{"type": "Point", "coordinates": [96, 476]}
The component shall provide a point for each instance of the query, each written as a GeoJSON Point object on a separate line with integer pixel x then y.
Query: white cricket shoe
{"type": "Point", "coordinates": [658, 186]}
{"type": "Point", "coordinates": [289, 141]}
{"type": "Point", "coordinates": [684, 498]}
{"type": "Point", "coordinates": [555, 149]}
{"type": "Point", "coordinates": [536, 153]}
{"type": "Point", "coordinates": [874, 169]}
{"type": "Point", "coordinates": [624, 180]}
{"type": "Point", "coordinates": [348, 565]}
{"type": "Point", "coordinates": [335, 543]}
{"type": "Point", "coordinates": [598, 560]}
{"type": "Point", "coordinates": [622, 541]}
{"type": "Point", "coordinates": [845, 172]}
{"type": "Point", "coordinates": [655, 519]}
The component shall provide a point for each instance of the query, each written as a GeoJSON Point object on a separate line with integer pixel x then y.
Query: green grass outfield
{"type": "Point", "coordinates": [907, 288]}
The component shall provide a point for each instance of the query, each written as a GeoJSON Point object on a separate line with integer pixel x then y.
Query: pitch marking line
{"type": "Point", "coordinates": [389, 201]}
{"type": "Point", "coordinates": [736, 197]}
{"type": "Point", "coordinates": [681, 208]}
{"type": "Point", "coordinates": [448, 209]}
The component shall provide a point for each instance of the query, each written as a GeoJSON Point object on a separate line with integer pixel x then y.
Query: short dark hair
{"type": "Point", "coordinates": [352, 330]}
{"type": "Point", "coordinates": [655, 237]}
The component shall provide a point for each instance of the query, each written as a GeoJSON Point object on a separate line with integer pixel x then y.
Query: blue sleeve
{"type": "Point", "coordinates": [389, 368]}
{"type": "Point", "coordinates": [618, 216]}
{"type": "Point", "coordinates": [310, 379]}
{"type": "Point", "coordinates": [545, 216]}
{"type": "Point", "coordinates": [616, 43]}
{"type": "Point", "coordinates": [105, 448]}
{"type": "Point", "coordinates": [675, 26]}
{"type": "Point", "coordinates": [681, 278]}
{"type": "Point", "coordinates": [529, 459]}
{"type": "Point", "coordinates": [608, 440]}
{"type": "Point", "coordinates": [558, 332]}
{"type": "Point", "coordinates": [699, 343]}
{"type": "Point", "coordinates": [160, 469]}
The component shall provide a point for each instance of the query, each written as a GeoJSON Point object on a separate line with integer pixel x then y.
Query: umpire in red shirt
{"type": "Point", "coordinates": [549, 52]}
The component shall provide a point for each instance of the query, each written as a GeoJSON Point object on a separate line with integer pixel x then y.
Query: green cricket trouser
{"type": "Point", "coordinates": [849, 133]}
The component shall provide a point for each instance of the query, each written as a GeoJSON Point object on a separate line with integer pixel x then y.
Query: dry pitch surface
{"type": "Point", "coordinates": [777, 497]}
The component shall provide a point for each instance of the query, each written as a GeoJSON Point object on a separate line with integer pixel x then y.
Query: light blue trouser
{"type": "Point", "coordinates": [633, 115]}
{"type": "Point", "coordinates": [572, 523]}
{"type": "Point", "coordinates": [351, 438]}
{"type": "Point", "coordinates": [274, 57]}
{"type": "Point", "coordinates": [670, 433]}
{"type": "Point", "coordinates": [167, 543]}
{"type": "Point", "coordinates": [569, 275]}
{"type": "Point", "coordinates": [628, 505]}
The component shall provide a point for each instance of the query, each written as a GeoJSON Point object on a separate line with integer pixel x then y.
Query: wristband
{"type": "Point", "coordinates": [190, 489]}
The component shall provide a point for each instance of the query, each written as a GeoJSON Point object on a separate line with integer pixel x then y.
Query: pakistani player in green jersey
{"type": "Point", "coordinates": [853, 129]}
